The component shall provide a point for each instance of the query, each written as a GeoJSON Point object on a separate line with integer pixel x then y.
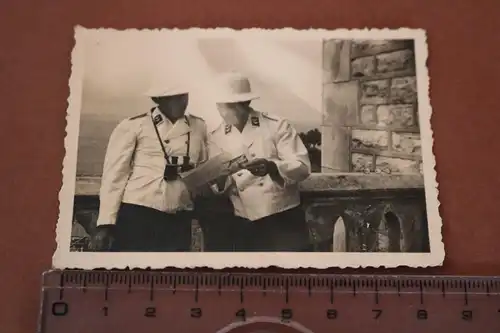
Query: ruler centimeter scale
{"type": "Point", "coordinates": [149, 301]}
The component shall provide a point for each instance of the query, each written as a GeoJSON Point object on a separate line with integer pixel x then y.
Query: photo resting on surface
{"type": "Point", "coordinates": [249, 148]}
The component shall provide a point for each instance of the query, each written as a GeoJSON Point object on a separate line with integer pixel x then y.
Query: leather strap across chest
{"type": "Point", "coordinates": [165, 154]}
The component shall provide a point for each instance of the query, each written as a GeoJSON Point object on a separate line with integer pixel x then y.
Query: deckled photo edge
{"type": "Point", "coordinates": [285, 33]}
{"type": "Point", "coordinates": [67, 191]}
{"type": "Point", "coordinates": [431, 185]}
{"type": "Point", "coordinates": [63, 258]}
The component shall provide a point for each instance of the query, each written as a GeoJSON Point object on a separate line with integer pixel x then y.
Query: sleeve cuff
{"type": "Point", "coordinates": [110, 220]}
{"type": "Point", "coordinates": [287, 174]}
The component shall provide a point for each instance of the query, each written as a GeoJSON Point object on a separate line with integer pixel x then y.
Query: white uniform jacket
{"type": "Point", "coordinates": [272, 138]}
{"type": "Point", "coordinates": [134, 164]}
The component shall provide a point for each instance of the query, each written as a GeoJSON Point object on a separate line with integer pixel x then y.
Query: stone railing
{"type": "Point", "coordinates": [346, 212]}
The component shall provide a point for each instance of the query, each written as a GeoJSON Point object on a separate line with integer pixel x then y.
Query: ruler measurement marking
{"type": "Point", "coordinates": [84, 283]}
{"type": "Point", "coordinates": [196, 289]}
{"type": "Point", "coordinates": [376, 292]}
{"type": "Point", "coordinates": [331, 291]}
{"type": "Point", "coordinates": [282, 290]}
{"type": "Point", "coordinates": [420, 287]}
{"type": "Point", "coordinates": [61, 287]}
{"type": "Point", "coordinates": [106, 288]}
{"type": "Point", "coordinates": [242, 297]}
{"type": "Point", "coordinates": [466, 297]}
{"type": "Point", "coordinates": [287, 297]}
{"type": "Point", "coordinates": [152, 289]}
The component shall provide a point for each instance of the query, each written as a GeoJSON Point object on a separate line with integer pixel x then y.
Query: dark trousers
{"type": "Point", "coordinates": [143, 229]}
{"type": "Point", "coordinates": [282, 232]}
{"type": "Point", "coordinates": [221, 233]}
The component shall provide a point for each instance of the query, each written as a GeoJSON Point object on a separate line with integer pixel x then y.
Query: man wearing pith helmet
{"type": "Point", "coordinates": [265, 193]}
{"type": "Point", "coordinates": [144, 205]}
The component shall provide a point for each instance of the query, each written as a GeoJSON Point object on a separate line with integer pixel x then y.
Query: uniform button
{"type": "Point", "coordinates": [167, 141]}
{"type": "Point", "coordinates": [239, 174]}
{"type": "Point", "coordinates": [253, 155]}
{"type": "Point", "coordinates": [261, 184]}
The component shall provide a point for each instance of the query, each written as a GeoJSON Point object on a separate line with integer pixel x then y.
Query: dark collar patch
{"type": "Point", "coordinates": [227, 129]}
{"type": "Point", "coordinates": [157, 119]}
{"type": "Point", "coordinates": [255, 121]}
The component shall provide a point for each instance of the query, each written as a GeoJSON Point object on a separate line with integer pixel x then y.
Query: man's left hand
{"type": "Point", "coordinates": [261, 167]}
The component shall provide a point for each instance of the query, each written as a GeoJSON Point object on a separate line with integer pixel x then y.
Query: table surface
{"type": "Point", "coordinates": [37, 38]}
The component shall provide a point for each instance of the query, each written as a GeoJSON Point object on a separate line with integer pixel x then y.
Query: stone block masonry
{"type": "Point", "coordinates": [381, 126]}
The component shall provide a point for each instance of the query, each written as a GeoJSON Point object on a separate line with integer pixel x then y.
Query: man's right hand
{"type": "Point", "coordinates": [103, 238]}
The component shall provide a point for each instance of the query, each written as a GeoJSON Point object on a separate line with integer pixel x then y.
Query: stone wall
{"type": "Point", "coordinates": [370, 118]}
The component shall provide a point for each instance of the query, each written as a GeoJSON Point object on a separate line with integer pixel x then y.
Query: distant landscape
{"type": "Point", "coordinates": [94, 136]}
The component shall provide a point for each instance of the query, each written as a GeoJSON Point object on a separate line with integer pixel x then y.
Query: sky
{"type": "Point", "coordinates": [119, 67]}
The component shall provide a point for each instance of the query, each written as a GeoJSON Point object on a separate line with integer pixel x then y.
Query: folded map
{"type": "Point", "coordinates": [221, 164]}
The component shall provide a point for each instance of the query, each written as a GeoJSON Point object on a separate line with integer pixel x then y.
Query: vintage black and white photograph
{"type": "Point", "coordinates": [249, 148]}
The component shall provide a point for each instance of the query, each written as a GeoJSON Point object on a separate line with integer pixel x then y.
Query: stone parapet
{"type": "Point", "coordinates": [346, 212]}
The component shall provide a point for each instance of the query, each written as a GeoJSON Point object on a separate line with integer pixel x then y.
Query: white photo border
{"type": "Point", "coordinates": [64, 258]}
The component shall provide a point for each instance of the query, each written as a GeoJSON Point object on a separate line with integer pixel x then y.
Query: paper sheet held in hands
{"type": "Point", "coordinates": [221, 164]}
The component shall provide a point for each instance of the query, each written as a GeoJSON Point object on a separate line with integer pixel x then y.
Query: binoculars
{"type": "Point", "coordinates": [172, 170]}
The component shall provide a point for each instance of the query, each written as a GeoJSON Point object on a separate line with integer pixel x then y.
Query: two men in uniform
{"type": "Point", "coordinates": [145, 206]}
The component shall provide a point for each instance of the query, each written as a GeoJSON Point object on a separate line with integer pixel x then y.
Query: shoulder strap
{"type": "Point", "coordinates": [269, 116]}
{"type": "Point", "coordinates": [138, 116]}
{"type": "Point", "coordinates": [188, 143]}
{"type": "Point", "coordinates": [159, 138]}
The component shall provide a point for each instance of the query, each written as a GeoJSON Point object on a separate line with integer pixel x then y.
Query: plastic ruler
{"type": "Point", "coordinates": [151, 301]}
